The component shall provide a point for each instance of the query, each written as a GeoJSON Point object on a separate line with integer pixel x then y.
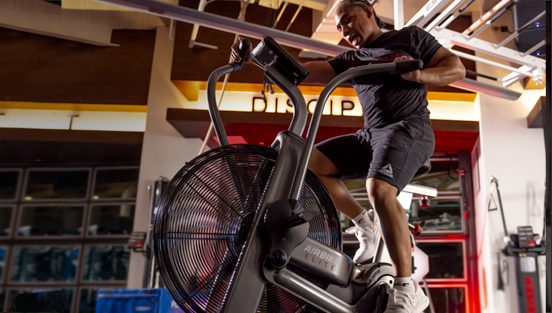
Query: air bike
{"type": "Point", "coordinates": [248, 228]}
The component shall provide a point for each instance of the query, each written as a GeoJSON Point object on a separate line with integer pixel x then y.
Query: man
{"type": "Point", "coordinates": [395, 141]}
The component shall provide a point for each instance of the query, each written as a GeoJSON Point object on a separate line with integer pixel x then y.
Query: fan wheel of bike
{"type": "Point", "coordinates": [203, 219]}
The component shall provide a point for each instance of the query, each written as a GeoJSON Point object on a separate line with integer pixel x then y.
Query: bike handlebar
{"type": "Point", "coordinates": [242, 51]}
{"type": "Point", "coordinates": [391, 67]}
{"type": "Point", "coordinates": [408, 66]}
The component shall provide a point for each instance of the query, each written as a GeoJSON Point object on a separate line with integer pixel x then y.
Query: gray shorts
{"type": "Point", "coordinates": [393, 153]}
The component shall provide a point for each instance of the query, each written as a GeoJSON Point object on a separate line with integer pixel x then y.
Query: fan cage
{"type": "Point", "coordinates": [201, 223]}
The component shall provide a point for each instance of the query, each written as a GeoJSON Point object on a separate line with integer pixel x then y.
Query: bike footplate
{"type": "Point", "coordinates": [381, 298]}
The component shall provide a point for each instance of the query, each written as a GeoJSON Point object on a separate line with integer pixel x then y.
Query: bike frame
{"type": "Point", "coordinates": [247, 285]}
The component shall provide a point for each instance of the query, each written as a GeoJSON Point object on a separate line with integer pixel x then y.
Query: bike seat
{"type": "Point", "coordinates": [426, 167]}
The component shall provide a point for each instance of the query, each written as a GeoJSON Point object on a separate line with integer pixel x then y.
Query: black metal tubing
{"type": "Point", "coordinates": [499, 14]}
{"type": "Point", "coordinates": [245, 290]}
{"type": "Point", "coordinates": [371, 69]}
{"type": "Point", "coordinates": [299, 120]}
{"type": "Point", "coordinates": [212, 101]}
{"type": "Point", "coordinates": [465, 6]}
{"type": "Point", "coordinates": [547, 142]}
{"type": "Point", "coordinates": [495, 181]}
{"type": "Point", "coordinates": [481, 75]}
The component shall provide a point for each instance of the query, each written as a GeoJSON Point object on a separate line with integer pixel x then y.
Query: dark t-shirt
{"type": "Point", "coordinates": [386, 98]}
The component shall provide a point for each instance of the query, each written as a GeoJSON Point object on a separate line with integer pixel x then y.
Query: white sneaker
{"type": "Point", "coordinates": [403, 302]}
{"type": "Point", "coordinates": [367, 235]}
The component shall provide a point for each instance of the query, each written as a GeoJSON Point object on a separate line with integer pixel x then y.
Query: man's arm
{"type": "Point", "coordinates": [444, 68]}
{"type": "Point", "coordinates": [321, 73]}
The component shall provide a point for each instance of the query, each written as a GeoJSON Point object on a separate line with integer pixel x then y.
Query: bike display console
{"type": "Point", "coordinates": [269, 53]}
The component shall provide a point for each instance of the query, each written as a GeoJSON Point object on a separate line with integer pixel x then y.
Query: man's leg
{"type": "Point", "coordinates": [366, 224]}
{"type": "Point", "coordinates": [383, 197]}
{"type": "Point", "coordinates": [326, 171]}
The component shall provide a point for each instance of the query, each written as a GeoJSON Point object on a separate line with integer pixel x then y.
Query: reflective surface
{"type": "Point", "coordinates": [111, 219]}
{"type": "Point", "coordinates": [442, 176]}
{"type": "Point", "coordinates": [446, 259]}
{"type": "Point", "coordinates": [3, 254]}
{"type": "Point", "coordinates": [106, 263]}
{"type": "Point", "coordinates": [8, 184]}
{"type": "Point", "coordinates": [5, 219]}
{"type": "Point", "coordinates": [58, 301]}
{"type": "Point", "coordinates": [448, 300]}
{"type": "Point", "coordinates": [355, 185]}
{"type": "Point", "coordinates": [56, 185]}
{"type": "Point", "coordinates": [442, 215]}
{"type": "Point", "coordinates": [116, 184]}
{"type": "Point", "coordinates": [45, 264]}
{"type": "Point", "coordinates": [88, 300]}
{"type": "Point", "coordinates": [51, 221]}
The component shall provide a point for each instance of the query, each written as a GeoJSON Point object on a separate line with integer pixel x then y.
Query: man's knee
{"type": "Point", "coordinates": [380, 192]}
{"type": "Point", "coordinates": [321, 165]}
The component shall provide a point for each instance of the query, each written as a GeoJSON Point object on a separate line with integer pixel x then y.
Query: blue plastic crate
{"type": "Point", "coordinates": [136, 301]}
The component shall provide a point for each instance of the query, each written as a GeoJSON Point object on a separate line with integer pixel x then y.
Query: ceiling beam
{"type": "Point", "coordinates": [451, 38]}
{"type": "Point", "coordinates": [230, 25]}
{"type": "Point", "coordinates": [227, 24]}
{"type": "Point", "coordinates": [427, 12]}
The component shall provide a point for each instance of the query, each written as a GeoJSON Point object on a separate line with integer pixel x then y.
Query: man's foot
{"type": "Point", "coordinates": [366, 231]}
{"type": "Point", "coordinates": [404, 302]}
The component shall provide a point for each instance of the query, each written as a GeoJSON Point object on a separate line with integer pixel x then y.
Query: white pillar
{"type": "Point", "coordinates": [515, 155]}
{"type": "Point", "coordinates": [398, 14]}
{"type": "Point", "coordinates": [164, 150]}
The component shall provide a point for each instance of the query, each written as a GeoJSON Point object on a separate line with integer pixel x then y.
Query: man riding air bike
{"type": "Point", "coordinates": [395, 141]}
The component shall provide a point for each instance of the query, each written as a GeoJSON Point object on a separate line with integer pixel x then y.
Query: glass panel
{"type": "Point", "coordinates": [45, 264]}
{"type": "Point", "coordinates": [116, 183]}
{"type": "Point", "coordinates": [88, 300]}
{"type": "Point", "coordinates": [345, 221]}
{"type": "Point", "coordinates": [111, 219]}
{"type": "Point", "coordinates": [5, 221]}
{"type": "Point", "coordinates": [56, 185]}
{"type": "Point", "coordinates": [442, 176]}
{"type": "Point", "coordinates": [446, 259]}
{"type": "Point", "coordinates": [2, 297]}
{"type": "Point", "coordinates": [442, 215]}
{"type": "Point", "coordinates": [58, 301]}
{"type": "Point", "coordinates": [8, 184]}
{"type": "Point", "coordinates": [355, 185]}
{"type": "Point", "coordinates": [3, 257]}
{"type": "Point", "coordinates": [106, 263]}
{"type": "Point", "coordinates": [448, 300]}
{"type": "Point", "coordinates": [51, 221]}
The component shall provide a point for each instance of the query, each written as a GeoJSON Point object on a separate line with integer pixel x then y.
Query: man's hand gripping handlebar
{"type": "Point", "coordinates": [241, 53]}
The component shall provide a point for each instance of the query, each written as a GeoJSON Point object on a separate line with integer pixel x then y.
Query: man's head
{"type": "Point", "coordinates": [356, 20]}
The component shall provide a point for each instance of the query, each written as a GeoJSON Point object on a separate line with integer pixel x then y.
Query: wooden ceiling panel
{"type": "Point", "coordinates": [45, 69]}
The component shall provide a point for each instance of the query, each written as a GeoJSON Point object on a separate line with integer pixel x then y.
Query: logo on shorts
{"type": "Point", "coordinates": [386, 170]}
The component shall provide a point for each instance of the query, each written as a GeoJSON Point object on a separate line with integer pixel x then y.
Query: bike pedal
{"type": "Point", "coordinates": [369, 261]}
{"type": "Point", "coordinates": [381, 299]}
